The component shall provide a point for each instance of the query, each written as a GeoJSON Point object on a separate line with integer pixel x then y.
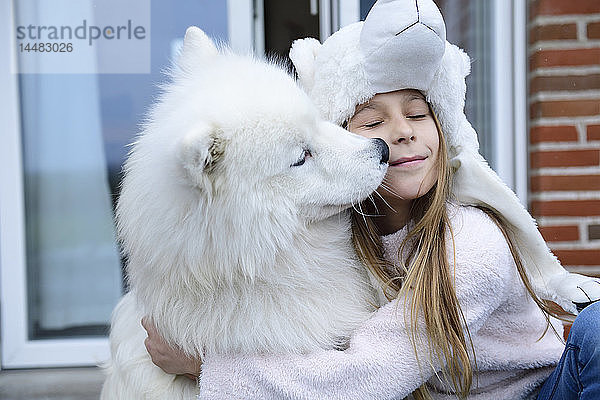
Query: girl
{"type": "Point", "coordinates": [463, 319]}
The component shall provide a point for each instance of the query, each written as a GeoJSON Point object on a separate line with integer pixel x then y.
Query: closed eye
{"type": "Point", "coordinates": [302, 159]}
{"type": "Point", "coordinates": [372, 124]}
{"type": "Point", "coordinates": [419, 116]}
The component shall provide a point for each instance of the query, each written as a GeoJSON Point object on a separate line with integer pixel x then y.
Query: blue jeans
{"type": "Point", "coordinates": [577, 375]}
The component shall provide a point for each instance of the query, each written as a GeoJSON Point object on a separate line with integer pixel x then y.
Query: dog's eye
{"type": "Point", "coordinates": [302, 159]}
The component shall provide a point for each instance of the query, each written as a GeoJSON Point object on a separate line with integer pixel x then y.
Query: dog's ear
{"type": "Point", "coordinates": [200, 152]}
{"type": "Point", "coordinates": [197, 49]}
{"type": "Point", "coordinates": [303, 53]}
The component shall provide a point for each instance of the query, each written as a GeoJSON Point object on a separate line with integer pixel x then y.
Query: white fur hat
{"type": "Point", "coordinates": [395, 29]}
{"type": "Point", "coordinates": [401, 45]}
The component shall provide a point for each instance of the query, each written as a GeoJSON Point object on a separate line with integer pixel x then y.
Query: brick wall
{"type": "Point", "coordinates": [564, 151]}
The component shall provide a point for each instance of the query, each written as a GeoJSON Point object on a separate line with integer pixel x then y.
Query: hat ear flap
{"type": "Point", "coordinates": [303, 54]}
{"type": "Point", "coordinates": [466, 63]}
{"type": "Point", "coordinates": [197, 49]}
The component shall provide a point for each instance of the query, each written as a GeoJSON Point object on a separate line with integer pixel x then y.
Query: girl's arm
{"type": "Point", "coordinates": [380, 363]}
{"type": "Point", "coordinates": [169, 359]}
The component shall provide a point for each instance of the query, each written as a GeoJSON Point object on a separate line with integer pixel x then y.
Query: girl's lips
{"type": "Point", "coordinates": [407, 161]}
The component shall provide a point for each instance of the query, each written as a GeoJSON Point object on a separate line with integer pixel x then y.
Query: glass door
{"type": "Point", "coordinates": [70, 116]}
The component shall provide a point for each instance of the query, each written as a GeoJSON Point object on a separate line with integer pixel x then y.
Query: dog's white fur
{"type": "Point", "coordinates": [231, 248]}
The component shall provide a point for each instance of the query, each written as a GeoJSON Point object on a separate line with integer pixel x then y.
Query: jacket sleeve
{"type": "Point", "coordinates": [380, 362]}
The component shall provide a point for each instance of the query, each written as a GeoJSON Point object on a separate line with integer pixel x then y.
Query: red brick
{"type": "Point", "coordinates": [565, 108]}
{"type": "Point", "coordinates": [568, 158]}
{"type": "Point", "coordinates": [553, 32]}
{"type": "Point", "coordinates": [574, 82]}
{"type": "Point", "coordinates": [560, 233]}
{"type": "Point", "coordinates": [578, 257]}
{"type": "Point", "coordinates": [564, 7]}
{"type": "Point", "coordinates": [564, 133]}
{"type": "Point", "coordinates": [565, 182]}
{"type": "Point", "coordinates": [562, 58]}
{"type": "Point", "coordinates": [593, 30]}
{"type": "Point", "coordinates": [593, 132]}
{"type": "Point", "coordinates": [566, 208]}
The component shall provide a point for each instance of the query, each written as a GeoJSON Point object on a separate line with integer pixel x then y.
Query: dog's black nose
{"type": "Point", "coordinates": [384, 149]}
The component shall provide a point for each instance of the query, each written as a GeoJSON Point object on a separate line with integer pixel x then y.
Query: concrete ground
{"type": "Point", "coordinates": [51, 384]}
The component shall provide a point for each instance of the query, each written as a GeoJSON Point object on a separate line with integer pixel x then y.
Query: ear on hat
{"type": "Point", "coordinates": [197, 48]}
{"type": "Point", "coordinates": [303, 54]}
{"type": "Point", "coordinates": [200, 151]}
{"type": "Point", "coordinates": [465, 61]}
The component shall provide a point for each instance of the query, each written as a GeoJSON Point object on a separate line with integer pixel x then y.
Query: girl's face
{"type": "Point", "coordinates": [403, 120]}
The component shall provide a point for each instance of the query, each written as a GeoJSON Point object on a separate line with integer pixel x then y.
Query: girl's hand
{"type": "Point", "coordinates": [169, 359]}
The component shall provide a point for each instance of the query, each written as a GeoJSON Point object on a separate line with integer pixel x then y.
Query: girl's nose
{"type": "Point", "coordinates": [403, 131]}
{"type": "Point", "coordinates": [405, 138]}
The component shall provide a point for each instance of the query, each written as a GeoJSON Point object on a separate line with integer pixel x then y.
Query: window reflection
{"type": "Point", "coordinates": [75, 132]}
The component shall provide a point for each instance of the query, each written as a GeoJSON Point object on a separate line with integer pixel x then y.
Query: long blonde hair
{"type": "Point", "coordinates": [428, 277]}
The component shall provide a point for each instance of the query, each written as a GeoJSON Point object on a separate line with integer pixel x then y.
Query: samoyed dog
{"type": "Point", "coordinates": [233, 217]}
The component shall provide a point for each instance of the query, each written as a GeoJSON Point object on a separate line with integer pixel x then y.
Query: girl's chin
{"type": "Point", "coordinates": [398, 193]}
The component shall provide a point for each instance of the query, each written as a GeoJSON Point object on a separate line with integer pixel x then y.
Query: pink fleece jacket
{"type": "Point", "coordinates": [504, 323]}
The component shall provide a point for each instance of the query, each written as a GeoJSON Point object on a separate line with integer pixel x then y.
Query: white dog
{"type": "Point", "coordinates": [232, 218]}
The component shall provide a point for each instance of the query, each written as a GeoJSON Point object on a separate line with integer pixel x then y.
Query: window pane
{"type": "Point", "coordinates": [75, 131]}
{"type": "Point", "coordinates": [469, 25]}
{"type": "Point", "coordinates": [73, 262]}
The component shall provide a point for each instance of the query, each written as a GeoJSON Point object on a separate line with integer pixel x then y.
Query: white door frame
{"type": "Point", "coordinates": [510, 94]}
{"type": "Point", "coordinates": [349, 12]}
{"type": "Point", "coordinates": [241, 25]}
